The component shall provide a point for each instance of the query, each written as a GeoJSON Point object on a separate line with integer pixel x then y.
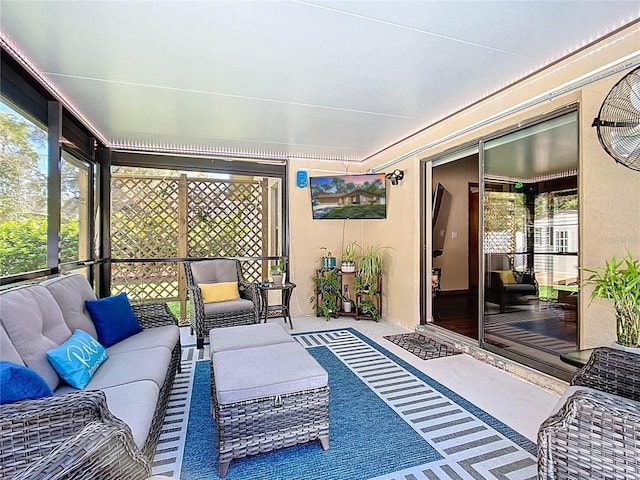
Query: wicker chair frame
{"type": "Point", "coordinates": [201, 323]}
{"type": "Point", "coordinates": [269, 423]}
{"type": "Point", "coordinates": [595, 435]}
{"type": "Point", "coordinates": [31, 430]}
{"type": "Point", "coordinates": [98, 451]}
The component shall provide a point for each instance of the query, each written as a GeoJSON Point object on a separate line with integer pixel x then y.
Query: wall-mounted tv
{"type": "Point", "coordinates": [440, 215]}
{"type": "Point", "coordinates": [349, 196]}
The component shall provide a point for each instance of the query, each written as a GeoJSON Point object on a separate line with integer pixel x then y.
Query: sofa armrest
{"type": "Point", "coordinates": [594, 435]}
{"type": "Point", "coordinates": [97, 451]}
{"type": "Point", "coordinates": [613, 371]}
{"type": "Point", "coordinates": [154, 314]}
{"type": "Point", "coordinates": [31, 429]}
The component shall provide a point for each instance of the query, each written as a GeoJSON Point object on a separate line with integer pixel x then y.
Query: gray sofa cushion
{"type": "Point", "coordinates": [247, 336]}
{"type": "Point", "coordinates": [165, 336]}
{"type": "Point", "coordinates": [134, 404]}
{"type": "Point", "coordinates": [70, 293]}
{"type": "Point", "coordinates": [8, 352]}
{"type": "Point", "coordinates": [265, 371]}
{"type": "Point", "coordinates": [34, 323]}
{"type": "Point", "coordinates": [122, 368]}
{"type": "Point", "coordinates": [214, 271]}
{"type": "Point", "coordinates": [230, 306]}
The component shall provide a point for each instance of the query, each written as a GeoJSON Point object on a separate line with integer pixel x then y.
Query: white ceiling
{"type": "Point", "coordinates": [337, 80]}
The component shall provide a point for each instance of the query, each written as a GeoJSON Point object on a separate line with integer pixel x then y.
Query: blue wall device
{"type": "Point", "coordinates": [301, 178]}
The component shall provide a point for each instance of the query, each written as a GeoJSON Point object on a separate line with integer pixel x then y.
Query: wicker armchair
{"type": "Point", "coordinates": [596, 432]}
{"type": "Point", "coordinates": [204, 317]}
{"type": "Point", "coordinates": [98, 451]}
{"type": "Point", "coordinates": [63, 432]}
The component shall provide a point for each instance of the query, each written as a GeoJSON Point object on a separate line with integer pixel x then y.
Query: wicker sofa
{"type": "Point", "coordinates": [594, 431]}
{"type": "Point", "coordinates": [109, 429]}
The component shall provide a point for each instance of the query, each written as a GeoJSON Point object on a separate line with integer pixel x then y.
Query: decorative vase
{"type": "Point", "coordinates": [617, 346]}
{"type": "Point", "coordinates": [346, 306]}
{"type": "Point", "coordinates": [348, 267]}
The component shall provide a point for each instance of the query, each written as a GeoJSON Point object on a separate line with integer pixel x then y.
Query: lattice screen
{"type": "Point", "coordinates": [221, 218]}
{"type": "Point", "coordinates": [500, 223]}
{"type": "Point", "coordinates": [226, 220]}
{"type": "Point", "coordinates": [144, 224]}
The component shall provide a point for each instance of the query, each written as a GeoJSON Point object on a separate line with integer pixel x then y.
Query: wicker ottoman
{"type": "Point", "coordinates": [247, 336]}
{"type": "Point", "coordinates": [267, 397]}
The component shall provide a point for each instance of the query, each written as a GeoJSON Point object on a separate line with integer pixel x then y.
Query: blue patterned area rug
{"type": "Point", "coordinates": [387, 421]}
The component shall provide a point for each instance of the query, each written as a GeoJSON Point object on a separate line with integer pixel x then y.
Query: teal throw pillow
{"type": "Point", "coordinates": [18, 382]}
{"type": "Point", "coordinates": [114, 318]}
{"type": "Point", "coordinates": [77, 359]}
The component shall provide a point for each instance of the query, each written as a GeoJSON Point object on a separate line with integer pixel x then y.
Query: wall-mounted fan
{"type": "Point", "coordinates": [618, 121]}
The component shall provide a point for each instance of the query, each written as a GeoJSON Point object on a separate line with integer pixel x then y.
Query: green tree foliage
{"type": "Point", "coordinates": [22, 182]}
{"type": "Point", "coordinates": [23, 244]}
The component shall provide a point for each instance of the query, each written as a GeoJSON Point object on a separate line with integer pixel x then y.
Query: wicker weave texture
{"type": "Point", "coordinates": [593, 436]}
{"type": "Point", "coordinates": [269, 423]}
{"type": "Point", "coordinates": [98, 451]}
{"type": "Point", "coordinates": [31, 430]}
{"type": "Point", "coordinates": [613, 371]}
{"type": "Point", "coordinates": [201, 323]}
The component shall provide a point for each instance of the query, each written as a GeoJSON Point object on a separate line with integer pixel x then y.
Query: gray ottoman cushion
{"type": "Point", "coordinates": [266, 371]}
{"type": "Point", "coordinates": [247, 336]}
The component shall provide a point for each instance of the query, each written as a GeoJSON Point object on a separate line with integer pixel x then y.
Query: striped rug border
{"type": "Point", "coordinates": [473, 443]}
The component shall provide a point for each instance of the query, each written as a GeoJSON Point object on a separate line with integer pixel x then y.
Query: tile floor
{"type": "Point", "coordinates": [516, 402]}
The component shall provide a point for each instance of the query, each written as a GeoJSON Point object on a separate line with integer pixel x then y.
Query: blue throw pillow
{"type": "Point", "coordinates": [114, 318]}
{"type": "Point", "coordinates": [77, 359]}
{"type": "Point", "coordinates": [18, 382]}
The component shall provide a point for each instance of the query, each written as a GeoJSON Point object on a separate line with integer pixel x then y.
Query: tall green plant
{"type": "Point", "coordinates": [619, 282]}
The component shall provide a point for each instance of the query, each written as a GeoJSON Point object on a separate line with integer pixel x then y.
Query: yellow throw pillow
{"type": "Point", "coordinates": [507, 276]}
{"type": "Point", "coordinates": [219, 292]}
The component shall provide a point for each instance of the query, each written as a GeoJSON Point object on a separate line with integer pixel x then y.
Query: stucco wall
{"type": "Point", "coordinates": [609, 201]}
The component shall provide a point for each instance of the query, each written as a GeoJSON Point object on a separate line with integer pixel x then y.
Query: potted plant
{"type": "Point", "coordinates": [347, 303]}
{"type": "Point", "coordinates": [349, 257]}
{"type": "Point", "coordinates": [370, 266]}
{"type": "Point", "coordinates": [328, 260]}
{"type": "Point", "coordinates": [277, 271]}
{"type": "Point", "coordinates": [619, 282]}
{"type": "Point", "coordinates": [327, 292]}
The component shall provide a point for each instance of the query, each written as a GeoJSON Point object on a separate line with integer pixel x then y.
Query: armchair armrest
{"type": "Point", "coordinates": [31, 429]}
{"type": "Point", "coordinates": [97, 451]}
{"type": "Point", "coordinates": [613, 371]}
{"type": "Point", "coordinates": [594, 435]}
{"type": "Point", "coordinates": [249, 291]}
{"type": "Point", "coordinates": [154, 314]}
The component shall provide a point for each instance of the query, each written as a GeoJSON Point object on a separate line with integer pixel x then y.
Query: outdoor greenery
{"type": "Point", "coordinates": [619, 282]}
{"type": "Point", "coordinates": [23, 199]}
{"type": "Point", "coordinates": [326, 293]}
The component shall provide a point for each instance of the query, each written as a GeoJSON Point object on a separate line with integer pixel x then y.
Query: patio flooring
{"type": "Point", "coordinates": [521, 405]}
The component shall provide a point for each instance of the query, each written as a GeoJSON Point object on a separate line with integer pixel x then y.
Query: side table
{"type": "Point", "coordinates": [281, 309]}
{"type": "Point", "coordinates": [578, 358]}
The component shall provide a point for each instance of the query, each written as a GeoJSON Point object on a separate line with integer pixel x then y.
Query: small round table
{"type": "Point", "coordinates": [280, 310]}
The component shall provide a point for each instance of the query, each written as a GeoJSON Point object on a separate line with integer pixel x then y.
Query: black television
{"type": "Point", "coordinates": [440, 215]}
{"type": "Point", "coordinates": [340, 197]}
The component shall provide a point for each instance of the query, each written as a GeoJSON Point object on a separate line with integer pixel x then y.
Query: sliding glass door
{"type": "Point", "coordinates": [530, 242]}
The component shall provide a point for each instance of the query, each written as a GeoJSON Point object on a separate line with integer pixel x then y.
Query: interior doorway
{"type": "Point", "coordinates": [457, 299]}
